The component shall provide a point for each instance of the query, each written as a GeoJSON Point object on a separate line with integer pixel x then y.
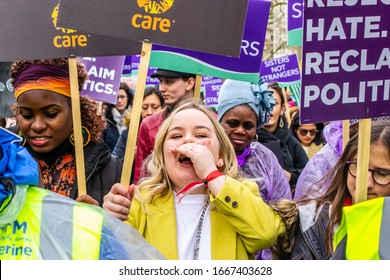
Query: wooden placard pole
{"type": "Point", "coordinates": [198, 85]}
{"type": "Point", "coordinates": [77, 130]}
{"type": "Point", "coordinates": [345, 133]}
{"type": "Point", "coordinates": [363, 159]}
{"type": "Point", "coordinates": [136, 113]}
{"type": "Point", "coordinates": [287, 107]}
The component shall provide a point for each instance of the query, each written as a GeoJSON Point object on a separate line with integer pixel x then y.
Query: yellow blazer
{"type": "Point", "coordinates": [241, 222]}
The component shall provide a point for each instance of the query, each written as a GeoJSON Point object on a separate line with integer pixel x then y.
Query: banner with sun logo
{"type": "Point", "coordinates": [28, 30]}
{"type": "Point", "coordinates": [206, 26]}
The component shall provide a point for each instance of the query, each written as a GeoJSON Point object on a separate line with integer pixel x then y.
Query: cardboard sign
{"type": "Point", "coordinates": [104, 77]}
{"type": "Point", "coordinates": [28, 31]}
{"type": "Point", "coordinates": [346, 60]}
{"type": "Point", "coordinates": [203, 25]}
{"type": "Point", "coordinates": [244, 68]}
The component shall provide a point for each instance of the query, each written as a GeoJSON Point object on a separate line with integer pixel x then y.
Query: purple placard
{"type": "Point", "coordinates": [127, 66]}
{"type": "Point", "coordinates": [346, 61]}
{"type": "Point", "coordinates": [209, 80]}
{"type": "Point", "coordinates": [211, 94]}
{"type": "Point", "coordinates": [211, 87]}
{"type": "Point", "coordinates": [104, 77]}
{"type": "Point", "coordinates": [135, 62]}
{"type": "Point", "coordinates": [283, 69]}
{"type": "Point", "coordinates": [251, 48]}
{"type": "Point", "coordinates": [294, 14]}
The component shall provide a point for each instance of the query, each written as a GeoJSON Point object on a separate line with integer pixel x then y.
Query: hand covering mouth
{"type": "Point", "coordinates": [184, 158]}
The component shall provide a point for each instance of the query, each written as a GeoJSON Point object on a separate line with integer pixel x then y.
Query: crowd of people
{"type": "Point", "coordinates": [246, 181]}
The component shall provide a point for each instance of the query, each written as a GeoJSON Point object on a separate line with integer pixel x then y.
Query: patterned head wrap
{"type": "Point", "coordinates": [42, 76]}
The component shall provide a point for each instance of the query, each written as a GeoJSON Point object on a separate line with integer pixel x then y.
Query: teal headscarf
{"type": "Point", "coordinates": [257, 96]}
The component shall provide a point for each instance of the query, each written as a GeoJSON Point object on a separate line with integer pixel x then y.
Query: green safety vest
{"type": "Point", "coordinates": [40, 226]}
{"type": "Point", "coordinates": [364, 232]}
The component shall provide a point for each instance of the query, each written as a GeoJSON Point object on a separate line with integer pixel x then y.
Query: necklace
{"type": "Point", "coordinates": [199, 230]}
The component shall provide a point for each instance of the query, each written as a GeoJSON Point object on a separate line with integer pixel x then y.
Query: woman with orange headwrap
{"type": "Point", "coordinates": [44, 114]}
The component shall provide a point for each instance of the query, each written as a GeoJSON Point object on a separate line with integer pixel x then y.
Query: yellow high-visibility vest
{"type": "Point", "coordinates": [364, 232]}
{"type": "Point", "coordinates": [30, 231]}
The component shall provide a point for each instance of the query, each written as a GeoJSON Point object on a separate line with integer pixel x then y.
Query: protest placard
{"type": "Point", "coordinates": [346, 60]}
{"type": "Point", "coordinates": [284, 70]}
{"type": "Point", "coordinates": [294, 22]}
{"type": "Point", "coordinates": [194, 25]}
{"type": "Point", "coordinates": [29, 31]}
{"type": "Point", "coordinates": [211, 86]}
{"type": "Point", "coordinates": [346, 67]}
{"type": "Point", "coordinates": [104, 77]}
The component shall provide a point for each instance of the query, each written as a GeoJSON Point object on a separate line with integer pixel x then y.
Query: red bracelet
{"type": "Point", "coordinates": [213, 175]}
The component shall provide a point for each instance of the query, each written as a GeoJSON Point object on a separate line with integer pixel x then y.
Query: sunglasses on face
{"type": "Point", "coordinates": [304, 132]}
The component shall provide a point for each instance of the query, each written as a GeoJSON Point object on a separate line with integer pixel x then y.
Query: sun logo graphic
{"type": "Point", "coordinates": [151, 22]}
{"type": "Point", "coordinates": [155, 7]}
{"type": "Point", "coordinates": [54, 16]}
{"type": "Point", "coordinates": [66, 41]}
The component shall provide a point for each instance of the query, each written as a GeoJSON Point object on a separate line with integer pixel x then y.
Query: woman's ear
{"type": "Point", "coordinates": [283, 109]}
{"type": "Point", "coordinates": [220, 163]}
{"type": "Point", "coordinates": [190, 84]}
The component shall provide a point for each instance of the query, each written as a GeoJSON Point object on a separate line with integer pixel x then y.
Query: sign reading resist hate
{"type": "Point", "coordinates": [346, 60]}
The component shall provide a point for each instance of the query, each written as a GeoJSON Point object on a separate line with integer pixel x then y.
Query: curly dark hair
{"type": "Point", "coordinates": [89, 119]}
{"type": "Point", "coordinates": [19, 65]}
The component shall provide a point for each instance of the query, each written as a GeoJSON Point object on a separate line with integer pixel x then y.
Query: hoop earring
{"type": "Point", "coordinates": [281, 122]}
{"type": "Point", "coordinates": [86, 136]}
{"type": "Point", "coordinates": [20, 133]}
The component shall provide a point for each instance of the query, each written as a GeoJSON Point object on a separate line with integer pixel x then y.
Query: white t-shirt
{"type": "Point", "coordinates": [188, 213]}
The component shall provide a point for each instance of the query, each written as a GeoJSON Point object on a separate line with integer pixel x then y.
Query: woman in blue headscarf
{"type": "Point", "coordinates": [242, 110]}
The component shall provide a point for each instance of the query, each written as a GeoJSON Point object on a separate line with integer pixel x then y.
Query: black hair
{"type": "Point", "coordinates": [295, 123]}
{"type": "Point", "coordinates": [149, 90]}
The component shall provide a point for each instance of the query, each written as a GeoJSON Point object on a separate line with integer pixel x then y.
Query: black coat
{"type": "Point", "coordinates": [291, 156]}
{"type": "Point", "coordinates": [110, 134]}
{"type": "Point", "coordinates": [102, 170]}
{"type": "Point", "coordinates": [310, 244]}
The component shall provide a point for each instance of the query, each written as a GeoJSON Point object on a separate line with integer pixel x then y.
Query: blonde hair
{"type": "Point", "coordinates": [158, 182]}
{"type": "Point", "coordinates": [127, 119]}
{"type": "Point", "coordinates": [288, 211]}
